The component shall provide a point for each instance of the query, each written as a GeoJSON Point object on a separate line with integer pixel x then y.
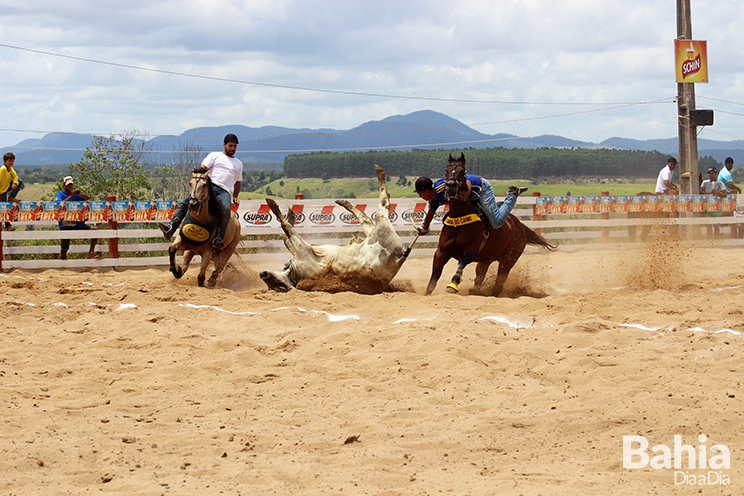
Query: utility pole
{"type": "Point", "coordinates": [687, 131]}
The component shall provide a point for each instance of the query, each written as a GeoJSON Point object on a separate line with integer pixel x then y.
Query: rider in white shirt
{"type": "Point", "coordinates": [226, 173]}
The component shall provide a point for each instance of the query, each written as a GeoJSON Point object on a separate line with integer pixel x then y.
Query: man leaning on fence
{"type": "Point", "coordinates": [70, 193]}
{"type": "Point", "coordinates": [712, 186]}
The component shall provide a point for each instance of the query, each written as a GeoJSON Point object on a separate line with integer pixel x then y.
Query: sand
{"type": "Point", "coordinates": [132, 382]}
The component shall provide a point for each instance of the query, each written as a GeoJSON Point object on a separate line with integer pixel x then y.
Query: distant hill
{"type": "Point", "coordinates": [423, 129]}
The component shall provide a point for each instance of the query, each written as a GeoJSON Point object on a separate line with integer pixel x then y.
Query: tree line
{"type": "Point", "coordinates": [493, 163]}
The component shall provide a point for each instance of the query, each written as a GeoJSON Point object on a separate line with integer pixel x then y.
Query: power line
{"type": "Point", "coordinates": [302, 88]}
{"type": "Point", "coordinates": [719, 100]}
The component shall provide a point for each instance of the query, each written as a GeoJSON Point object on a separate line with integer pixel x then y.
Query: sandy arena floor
{"type": "Point", "coordinates": [135, 383]}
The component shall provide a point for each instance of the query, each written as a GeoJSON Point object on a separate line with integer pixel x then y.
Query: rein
{"type": "Point", "coordinates": [200, 176]}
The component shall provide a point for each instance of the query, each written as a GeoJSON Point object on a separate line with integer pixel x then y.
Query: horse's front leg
{"type": "Point", "coordinates": [454, 286]}
{"type": "Point", "coordinates": [440, 259]}
{"type": "Point", "coordinates": [206, 258]}
{"type": "Point", "coordinates": [174, 268]}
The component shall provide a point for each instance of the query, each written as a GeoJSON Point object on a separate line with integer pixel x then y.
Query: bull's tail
{"type": "Point", "coordinates": [535, 239]}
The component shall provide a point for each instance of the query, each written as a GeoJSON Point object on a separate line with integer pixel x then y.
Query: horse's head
{"type": "Point", "coordinates": [198, 190]}
{"type": "Point", "coordinates": [455, 178]}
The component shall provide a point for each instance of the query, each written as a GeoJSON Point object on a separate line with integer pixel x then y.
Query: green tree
{"type": "Point", "coordinates": [114, 166]}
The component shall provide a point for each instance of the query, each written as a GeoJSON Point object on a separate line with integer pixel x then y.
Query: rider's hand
{"type": "Point", "coordinates": [423, 231]}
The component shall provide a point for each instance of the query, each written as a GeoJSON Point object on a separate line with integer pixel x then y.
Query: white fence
{"type": "Point", "coordinates": [140, 244]}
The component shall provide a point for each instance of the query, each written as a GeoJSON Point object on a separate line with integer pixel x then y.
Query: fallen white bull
{"type": "Point", "coordinates": [365, 265]}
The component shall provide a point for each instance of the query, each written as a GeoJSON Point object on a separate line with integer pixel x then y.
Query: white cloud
{"type": "Point", "coordinates": [519, 51]}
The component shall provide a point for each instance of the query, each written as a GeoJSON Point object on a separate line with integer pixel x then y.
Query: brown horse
{"type": "Point", "coordinates": [198, 229]}
{"type": "Point", "coordinates": [465, 238]}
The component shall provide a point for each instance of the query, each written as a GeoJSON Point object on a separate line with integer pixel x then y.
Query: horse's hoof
{"type": "Point", "coordinates": [212, 282]}
{"type": "Point", "coordinates": [453, 288]}
{"type": "Point", "coordinates": [177, 273]}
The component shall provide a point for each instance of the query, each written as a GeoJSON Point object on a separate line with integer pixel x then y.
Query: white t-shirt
{"type": "Point", "coordinates": [709, 186]}
{"type": "Point", "coordinates": [664, 175]}
{"type": "Point", "coordinates": [223, 170]}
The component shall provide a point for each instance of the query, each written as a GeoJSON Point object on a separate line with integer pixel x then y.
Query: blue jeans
{"type": "Point", "coordinates": [496, 216]}
{"type": "Point", "coordinates": [11, 193]}
{"type": "Point", "coordinates": [224, 201]}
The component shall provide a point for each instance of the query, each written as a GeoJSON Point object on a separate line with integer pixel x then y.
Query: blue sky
{"type": "Point", "coordinates": [578, 68]}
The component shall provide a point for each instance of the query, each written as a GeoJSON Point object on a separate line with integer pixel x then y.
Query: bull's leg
{"type": "Point", "coordinates": [454, 286]}
{"type": "Point", "coordinates": [481, 269]}
{"type": "Point", "coordinates": [364, 220]}
{"type": "Point", "coordinates": [440, 259]}
{"type": "Point", "coordinates": [383, 209]}
{"type": "Point", "coordinates": [296, 245]}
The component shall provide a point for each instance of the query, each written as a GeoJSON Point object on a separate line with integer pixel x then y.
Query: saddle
{"type": "Point", "coordinates": [197, 234]}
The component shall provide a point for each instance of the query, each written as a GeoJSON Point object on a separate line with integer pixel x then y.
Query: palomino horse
{"type": "Point", "coordinates": [198, 229]}
{"type": "Point", "coordinates": [464, 237]}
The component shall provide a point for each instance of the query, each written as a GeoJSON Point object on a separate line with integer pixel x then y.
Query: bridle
{"type": "Point", "coordinates": [455, 178]}
{"type": "Point", "coordinates": [196, 178]}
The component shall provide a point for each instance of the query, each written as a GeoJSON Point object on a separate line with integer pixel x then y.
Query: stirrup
{"type": "Point", "coordinates": [168, 230]}
{"type": "Point", "coordinates": [218, 243]}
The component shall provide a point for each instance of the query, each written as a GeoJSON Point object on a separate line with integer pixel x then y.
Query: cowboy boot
{"type": "Point", "coordinates": [513, 190]}
{"type": "Point", "coordinates": [171, 228]}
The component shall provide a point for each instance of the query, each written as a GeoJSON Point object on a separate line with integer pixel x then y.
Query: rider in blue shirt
{"type": "Point", "coordinates": [479, 190]}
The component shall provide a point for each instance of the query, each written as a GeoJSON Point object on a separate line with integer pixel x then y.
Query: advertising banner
{"type": "Point", "coordinates": [691, 61]}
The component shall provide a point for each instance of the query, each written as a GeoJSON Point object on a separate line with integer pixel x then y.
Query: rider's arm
{"type": "Point", "coordinates": [427, 220]}
{"type": "Point", "coordinates": [236, 192]}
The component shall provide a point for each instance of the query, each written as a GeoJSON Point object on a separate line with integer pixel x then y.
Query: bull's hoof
{"type": "Point", "coordinates": [453, 288]}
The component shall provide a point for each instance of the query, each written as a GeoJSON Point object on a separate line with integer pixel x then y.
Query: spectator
{"type": "Point", "coordinates": [70, 194]}
{"type": "Point", "coordinates": [725, 176]}
{"type": "Point", "coordinates": [712, 186]}
{"type": "Point", "coordinates": [664, 184]}
{"type": "Point", "coordinates": [10, 185]}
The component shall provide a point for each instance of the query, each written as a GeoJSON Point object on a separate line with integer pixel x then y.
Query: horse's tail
{"type": "Point", "coordinates": [535, 239]}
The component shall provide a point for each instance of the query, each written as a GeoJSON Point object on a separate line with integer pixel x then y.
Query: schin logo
{"type": "Point", "coordinates": [348, 218]}
{"type": "Point", "coordinates": [392, 215]}
{"type": "Point", "coordinates": [712, 459]}
{"type": "Point", "coordinates": [324, 217]}
{"type": "Point", "coordinates": [259, 218]}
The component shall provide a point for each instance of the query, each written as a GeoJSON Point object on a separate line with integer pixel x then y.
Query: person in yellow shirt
{"type": "Point", "coordinates": [10, 185]}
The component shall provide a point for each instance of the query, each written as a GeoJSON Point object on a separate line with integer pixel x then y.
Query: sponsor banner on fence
{"type": "Point", "coordinates": [98, 211]}
{"type": "Point", "coordinates": [327, 214]}
{"type": "Point", "coordinates": [27, 211]}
